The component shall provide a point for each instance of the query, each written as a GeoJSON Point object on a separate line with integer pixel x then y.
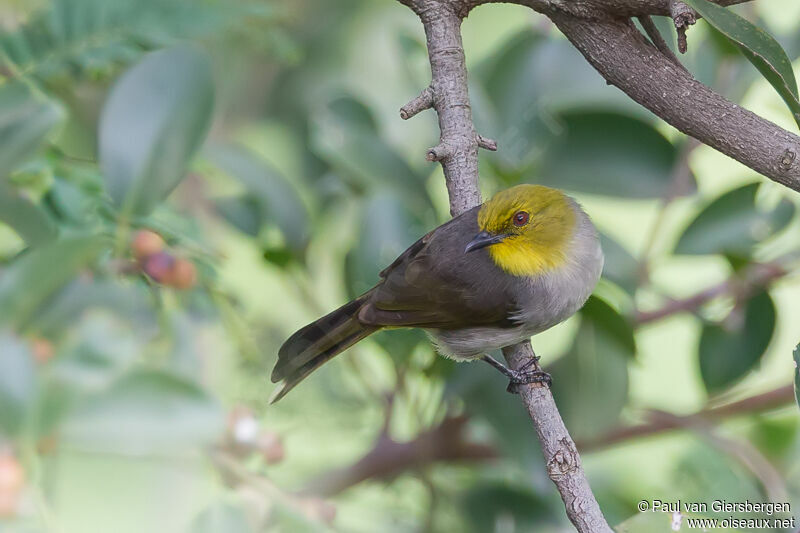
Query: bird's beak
{"type": "Point", "coordinates": [482, 240]}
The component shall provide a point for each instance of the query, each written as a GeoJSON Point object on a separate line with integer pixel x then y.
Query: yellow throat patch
{"type": "Point", "coordinates": [542, 243]}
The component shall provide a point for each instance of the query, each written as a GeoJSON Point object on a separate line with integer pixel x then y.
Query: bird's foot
{"type": "Point", "coordinates": [522, 376]}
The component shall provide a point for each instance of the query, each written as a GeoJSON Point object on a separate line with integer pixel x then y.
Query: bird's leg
{"type": "Point", "coordinates": [521, 376]}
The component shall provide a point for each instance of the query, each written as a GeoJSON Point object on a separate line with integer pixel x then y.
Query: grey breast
{"type": "Point", "coordinates": [554, 296]}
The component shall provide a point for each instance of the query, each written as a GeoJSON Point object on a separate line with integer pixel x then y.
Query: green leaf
{"type": "Point", "coordinates": [17, 383]}
{"type": "Point", "coordinates": [130, 302]}
{"type": "Point", "coordinates": [352, 113]}
{"type": "Point", "coordinates": [483, 391]}
{"type": "Point", "coordinates": [701, 470]}
{"type": "Point", "coordinates": [730, 350]}
{"type": "Point", "coordinates": [279, 256]}
{"type": "Point", "coordinates": [760, 48]}
{"type": "Point", "coordinates": [104, 349]}
{"type": "Point", "coordinates": [595, 368]}
{"type": "Point", "coordinates": [25, 121]}
{"type": "Point", "coordinates": [92, 38]}
{"type": "Point", "coordinates": [612, 154]}
{"type": "Point", "coordinates": [30, 222]}
{"type": "Point", "coordinates": [344, 136]}
{"type": "Point", "coordinates": [145, 412]}
{"type": "Point", "coordinates": [155, 118]}
{"type": "Point", "coordinates": [39, 273]}
{"type": "Point", "coordinates": [520, 91]}
{"type": "Point", "coordinates": [388, 228]}
{"type": "Point", "coordinates": [95, 352]}
{"type": "Point", "coordinates": [732, 224]}
{"type": "Point", "coordinates": [490, 503]}
{"type": "Point", "coordinates": [276, 199]}
{"type": "Point", "coordinates": [73, 203]}
{"type": "Point", "coordinates": [620, 266]}
{"type": "Point", "coordinates": [796, 359]}
{"type": "Point", "coordinates": [242, 211]}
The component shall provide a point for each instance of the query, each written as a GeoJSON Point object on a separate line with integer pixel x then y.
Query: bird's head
{"type": "Point", "coordinates": [527, 229]}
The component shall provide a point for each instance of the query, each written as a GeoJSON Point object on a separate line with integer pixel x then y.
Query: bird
{"type": "Point", "coordinates": [495, 275]}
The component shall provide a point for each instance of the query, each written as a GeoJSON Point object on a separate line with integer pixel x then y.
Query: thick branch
{"type": "Point", "coordinates": [442, 22]}
{"type": "Point", "coordinates": [594, 9]}
{"type": "Point", "coordinates": [624, 58]}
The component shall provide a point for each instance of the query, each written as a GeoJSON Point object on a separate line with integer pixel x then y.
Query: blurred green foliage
{"type": "Point", "coordinates": [183, 184]}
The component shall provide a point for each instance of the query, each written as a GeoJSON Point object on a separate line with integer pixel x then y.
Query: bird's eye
{"type": "Point", "coordinates": [520, 218]}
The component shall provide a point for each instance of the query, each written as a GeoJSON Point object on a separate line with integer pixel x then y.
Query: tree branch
{"type": "Point", "coordinates": [560, 453]}
{"type": "Point", "coordinates": [625, 59]}
{"type": "Point", "coordinates": [755, 277]}
{"type": "Point", "coordinates": [458, 154]}
{"type": "Point", "coordinates": [658, 40]}
{"type": "Point", "coordinates": [747, 455]}
{"type": "Point", "coordinates": [446, 442]}
{"type": "Point", "coordinates": [594, 9]}
{"type": "Point", "coordinates": [388, 458]}
{"type": "Point", "coordinates": [659, 422]}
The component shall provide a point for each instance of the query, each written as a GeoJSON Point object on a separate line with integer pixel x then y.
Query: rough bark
{"type": "Point", "coordinates": [458, 142]}
{"type": "Point", "coordinates": [593, 9]}
{"type": "Point", "coordinates": [561, 456]}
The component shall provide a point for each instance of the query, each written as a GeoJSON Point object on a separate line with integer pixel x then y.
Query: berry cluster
{"type": "Point", "coordinates": [159, 264]}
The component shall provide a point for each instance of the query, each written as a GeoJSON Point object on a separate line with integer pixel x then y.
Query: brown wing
{"type": "Point", "coordinates": [435, 284]}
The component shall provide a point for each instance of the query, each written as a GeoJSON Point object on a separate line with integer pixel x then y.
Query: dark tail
{"type": "Point", "coordinates": [313, 345]}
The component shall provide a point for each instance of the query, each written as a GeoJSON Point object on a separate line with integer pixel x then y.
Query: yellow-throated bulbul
{"type": "Point", "coordinates": [493, 276]}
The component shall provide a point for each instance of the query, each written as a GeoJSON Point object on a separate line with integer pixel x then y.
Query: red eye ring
{"type": "Point", "coordinates": [520, 218]}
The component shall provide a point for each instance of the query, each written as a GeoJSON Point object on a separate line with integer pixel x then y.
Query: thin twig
{"type": "Point", "coordinates": [755, 277]}
{"type": "Point", "coordinates": [236, 475]}
{"type": "Point", "coordinates": [658, 40]}
{"type": "Point", "coordinates": [683, 16]}
{"type": "Point", "coordinates": [656, 425]}
{"type": "Point", "coordinates": [420, 103]}
{"type": "Point", "coordinates": [751, 458]}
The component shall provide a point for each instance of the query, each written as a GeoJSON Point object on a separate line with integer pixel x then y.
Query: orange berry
{"type": "Point", "coordinates": [159, 266]}
{"type": "Point", "coordinates": [183, 274]}
{"type": "Point", "coordinates": [12, 476]}
{"type": "Point", "coordinates": [42, 350]}
{"type": "Point", "coordinates": [271, 447]}
{"type": "Point", "coordinates": [146, 243]}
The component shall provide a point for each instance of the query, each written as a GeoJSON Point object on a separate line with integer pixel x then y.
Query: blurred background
{"type": "Point", "coordinates": [138, 327]}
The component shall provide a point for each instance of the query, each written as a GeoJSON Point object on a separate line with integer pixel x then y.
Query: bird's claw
{"type": "Point", "coordinates": [529, 372]}
{"type": "Point", "coordinates": [524, 376]}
